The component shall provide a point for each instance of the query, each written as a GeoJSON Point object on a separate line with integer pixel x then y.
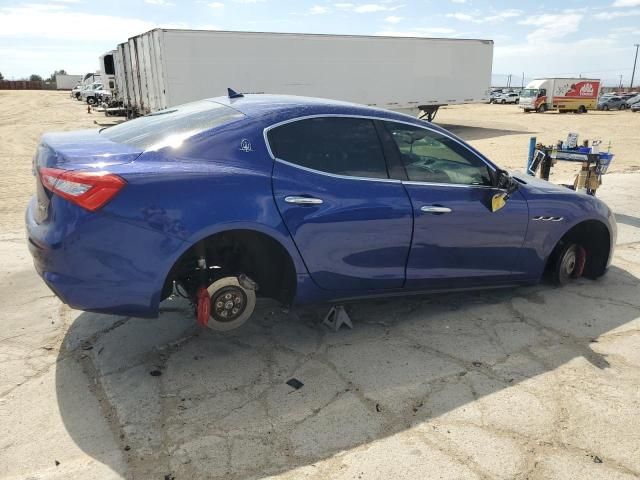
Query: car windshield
{"type": "Point", "coordinates": [529, 92]}
{"type": "Point", "coordinates": [169, 128]}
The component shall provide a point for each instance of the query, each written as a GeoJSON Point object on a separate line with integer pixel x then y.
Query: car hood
{"type": "Point", "coordinates": [538, 186]}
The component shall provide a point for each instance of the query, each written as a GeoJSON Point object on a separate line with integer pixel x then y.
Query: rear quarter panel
{"type": "Point", "coordinates": [206, 187]}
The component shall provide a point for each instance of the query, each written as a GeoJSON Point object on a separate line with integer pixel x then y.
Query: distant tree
{"type": "Point", "coordinates": [52, 78]}
{"type": "Point", "coordinates": [1, 76]}
{"type": "Point", "coordinates": [35, 78]}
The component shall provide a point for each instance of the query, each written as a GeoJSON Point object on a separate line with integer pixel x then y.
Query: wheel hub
{"type": "Point", "coordinates": [569, 262]}
{"type": "Point", "coordinates": [228, 304]}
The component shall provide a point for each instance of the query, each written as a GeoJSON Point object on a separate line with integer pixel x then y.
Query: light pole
{"type": "Point", "coordinates": [633, 74]}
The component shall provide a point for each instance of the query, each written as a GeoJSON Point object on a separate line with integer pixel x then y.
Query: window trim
{"type": "Point", "coordinates": [266, 130]}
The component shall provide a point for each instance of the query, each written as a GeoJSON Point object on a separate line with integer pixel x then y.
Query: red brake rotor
{"type": "Point", "coordinates": [203, 307]}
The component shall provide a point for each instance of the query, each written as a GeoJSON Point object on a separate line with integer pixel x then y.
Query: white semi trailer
{"type": "Point", "coordinates": [163, 68]}
{"type": "Point", "coordinates": [67, 82]}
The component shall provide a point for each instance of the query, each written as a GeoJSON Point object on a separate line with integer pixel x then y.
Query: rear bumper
{"type": "Point", "coordinates": [99, 263]}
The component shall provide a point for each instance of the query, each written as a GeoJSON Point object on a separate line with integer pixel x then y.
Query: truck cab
{"type": "Point", "coordinates": [534, 97]}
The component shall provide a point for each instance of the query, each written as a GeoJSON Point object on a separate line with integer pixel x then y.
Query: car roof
{"type": "Point", "coordinates": [271, 109]}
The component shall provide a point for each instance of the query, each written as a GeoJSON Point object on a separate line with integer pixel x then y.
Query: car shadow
{"type": "Point", "coordinates": [469, 133]}
{"type": "Point", "coordinates": [194, 403]}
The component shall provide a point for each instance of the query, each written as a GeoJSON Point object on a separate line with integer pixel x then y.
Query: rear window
{"type": "Point", "coordinates": [172, 126]}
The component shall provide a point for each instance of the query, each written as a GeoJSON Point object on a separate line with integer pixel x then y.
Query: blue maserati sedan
{"type": "Point", "coordinates": [298, 199]}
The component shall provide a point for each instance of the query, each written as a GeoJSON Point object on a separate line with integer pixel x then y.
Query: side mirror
{"type": "Point", "coordinates": [508, 185]}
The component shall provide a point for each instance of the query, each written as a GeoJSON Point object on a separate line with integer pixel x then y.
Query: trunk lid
{"type": "Point", "coordinates": [84, 150]}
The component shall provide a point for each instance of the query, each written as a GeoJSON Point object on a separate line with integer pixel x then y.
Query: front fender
{"type": "Point", "coordinates": [553, 211]}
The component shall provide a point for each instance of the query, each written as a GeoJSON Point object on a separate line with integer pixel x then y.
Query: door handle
{"type": "Point", "coordinates": [303, 200]}
{"type": "Point", "coordinates": [435, 209]}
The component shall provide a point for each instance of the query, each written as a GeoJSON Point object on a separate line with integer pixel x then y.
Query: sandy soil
{"type": "Point", "coordinates": [501, 132]}
{"type": "Point", "coordinates": [24, 117]}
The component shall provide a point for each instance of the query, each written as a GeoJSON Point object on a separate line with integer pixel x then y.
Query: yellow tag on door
{"type": "Point", "coordinates": [498, 201]}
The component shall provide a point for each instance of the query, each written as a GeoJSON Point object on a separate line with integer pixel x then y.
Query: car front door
{"type": "Point", "coordinates": [458, 241]}
{"type": "Point", "coordinates": [351, 223]}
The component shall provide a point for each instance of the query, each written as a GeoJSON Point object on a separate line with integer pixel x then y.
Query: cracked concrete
{"type": "Point", "coordinates": [531, 383]}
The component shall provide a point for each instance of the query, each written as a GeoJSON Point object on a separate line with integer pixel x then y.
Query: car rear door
{"type": "Point", "coordinates": [458, 241]}
{"type": "Point", "coordinates": [351, 223]}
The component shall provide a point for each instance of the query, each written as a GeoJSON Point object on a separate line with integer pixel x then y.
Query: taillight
{"type": "Point", "coordinates": [90, 190]}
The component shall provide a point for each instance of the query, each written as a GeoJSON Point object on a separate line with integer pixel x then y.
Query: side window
{"type": "Point", "coordinates": [431, 157]}
{"type": "Point", "coordinates": [343, 146]}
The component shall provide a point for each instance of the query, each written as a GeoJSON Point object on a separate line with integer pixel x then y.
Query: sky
{"type": "Point", "coordinates": [549, 38]}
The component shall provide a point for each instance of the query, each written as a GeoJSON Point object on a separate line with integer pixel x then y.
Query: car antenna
{"type": "Point", "coordinates": [233, 94]}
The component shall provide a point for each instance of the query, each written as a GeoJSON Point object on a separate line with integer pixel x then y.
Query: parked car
{"type": "Point", "coordinates": [635, 107]}
{"type": "Point", "coordinates": [89, 95]}
{"type": "Point", "coordinates": [511, 97]}
{"type": "Point", "coordinates": [103, 96]}
{"type": "Point", "coordinates": [86, 89]}
{"type": "Point", "coordinates": [632, 100]}
{"type": "Point", "coordinates": [298, 199]}
{"type": "Point", "coordinates": [76, 91]}
{"type": "Point", "coordinates": [611, 103]}
{"type": "Point", "coordinates": [494, 95]}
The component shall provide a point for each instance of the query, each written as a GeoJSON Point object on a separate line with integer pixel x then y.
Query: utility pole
{"type": "Point", "coordinates": [620, 87]}
{"type": "Point", "coordinates": [633, 74]}
{"type": "Point", "coordinates": [522, 87]}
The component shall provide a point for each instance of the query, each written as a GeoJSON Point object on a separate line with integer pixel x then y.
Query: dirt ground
{"type": "Point", "coordinates": [502, 132]}
{"type": "Point", "coordinates": [531, 383]}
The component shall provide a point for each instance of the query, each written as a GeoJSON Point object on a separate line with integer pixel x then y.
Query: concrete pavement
{"type": "Point", "coordinates": [533, 383]}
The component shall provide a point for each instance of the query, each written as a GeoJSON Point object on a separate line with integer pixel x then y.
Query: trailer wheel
{"type": "Point", "coordinates": [542, 108]}
{"type": "Point", "coordinates": [582, 109]}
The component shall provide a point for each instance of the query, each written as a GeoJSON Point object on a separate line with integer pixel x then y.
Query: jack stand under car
{"type": "Point", "coordinates": [594, 163]}
{"type": "Point", "coordinates": [337, 317]}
